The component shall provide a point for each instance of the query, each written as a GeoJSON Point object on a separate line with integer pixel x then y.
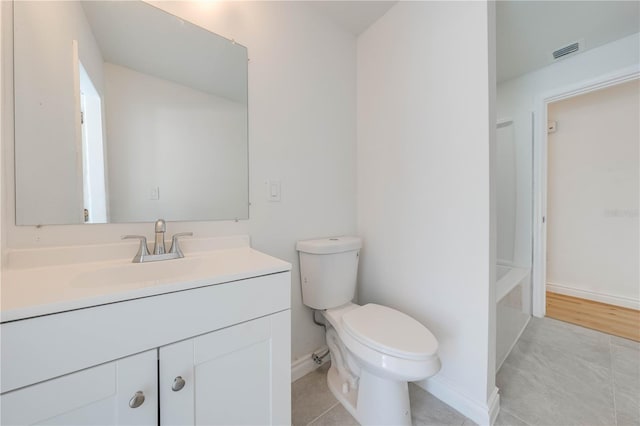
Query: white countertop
{"type": "Point", "coordinates": [35, 291]}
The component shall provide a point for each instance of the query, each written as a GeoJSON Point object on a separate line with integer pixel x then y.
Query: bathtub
{"type": "Point", "coordinates": [508, 277]}
{"type": "Point", "coordinates": [513, 309]}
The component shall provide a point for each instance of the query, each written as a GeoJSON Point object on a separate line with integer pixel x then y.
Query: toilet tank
{"type": "Point", "coordinates": [328, 271]}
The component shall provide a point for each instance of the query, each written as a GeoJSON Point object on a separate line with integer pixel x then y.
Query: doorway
{"type": "Point", "coordinates": [588, 273]}
{"type": "Point", "coordinates": [93, 161]}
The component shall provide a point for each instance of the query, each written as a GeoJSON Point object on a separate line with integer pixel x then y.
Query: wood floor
{"type": "Point", "coordinates": [622, 322]}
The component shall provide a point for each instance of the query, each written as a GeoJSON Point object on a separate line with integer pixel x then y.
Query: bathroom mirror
{"type": "Point", "coordinates": [125, 113]}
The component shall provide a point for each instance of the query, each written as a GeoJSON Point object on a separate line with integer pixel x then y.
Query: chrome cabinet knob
{"type": "Point", "coordinates": [178, 384]}
{"type": "Point", "coordinates": [137, 400]}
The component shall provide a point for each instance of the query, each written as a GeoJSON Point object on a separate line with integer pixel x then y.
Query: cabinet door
{"type": "Point", "coordinates": [96, 396]}
{"type": "Point", "coordinates": [239, 375]}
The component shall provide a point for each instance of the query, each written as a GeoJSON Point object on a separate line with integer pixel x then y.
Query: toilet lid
{"type": "Point", "coordinates": [391, 332]}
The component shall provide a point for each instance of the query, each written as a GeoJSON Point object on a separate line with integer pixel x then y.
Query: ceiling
{"type": "Point", "coordinates": [527, 31]}
{"type": "Point", "coordinates": [352, 16]}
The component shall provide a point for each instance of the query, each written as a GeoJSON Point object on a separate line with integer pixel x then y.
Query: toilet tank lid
{"type": "Point", "coordinates": [329, 245]}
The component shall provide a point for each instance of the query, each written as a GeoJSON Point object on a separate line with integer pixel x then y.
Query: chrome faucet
{"type": "Point", "coordinates": [161, 227]}
{"type": "Point", "coordinates": [159, 252]}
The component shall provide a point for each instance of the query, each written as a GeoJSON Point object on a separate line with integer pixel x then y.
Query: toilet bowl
{"type": "Point", "coordinates": [375, 350]}
{"type": "Point", "coordinates": [386, 341]}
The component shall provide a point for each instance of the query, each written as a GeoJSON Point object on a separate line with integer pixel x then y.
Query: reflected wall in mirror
{"type": "Point", "coordinates": [125, 113]}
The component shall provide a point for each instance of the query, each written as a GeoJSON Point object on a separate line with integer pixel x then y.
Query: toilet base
{"type": "Point", "coordinates": [376, 401]}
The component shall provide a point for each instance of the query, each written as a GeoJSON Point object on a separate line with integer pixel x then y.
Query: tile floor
{"type": "Point", "coordinates": [313, 404]}
{"type": "Point", "coordinates": [562, 374]}
{"type": "Point", "coordinates": [558, 374]}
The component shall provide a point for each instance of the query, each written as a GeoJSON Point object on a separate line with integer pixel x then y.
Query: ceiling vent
{"type": "Point", "coordinates": [567, 50]}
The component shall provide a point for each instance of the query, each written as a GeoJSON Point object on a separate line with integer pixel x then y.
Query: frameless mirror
{"type": "Point", "coordinates": [125, 113]}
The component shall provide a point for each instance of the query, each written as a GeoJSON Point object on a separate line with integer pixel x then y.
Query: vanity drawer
{"type": "Point", "coordinates": [41, 348]}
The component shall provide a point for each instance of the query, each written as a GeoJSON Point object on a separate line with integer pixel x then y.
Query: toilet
{"type": "Point", "coordinates": [375, 350]}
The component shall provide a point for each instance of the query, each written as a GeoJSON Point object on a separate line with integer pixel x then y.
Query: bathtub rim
{"type": "Point", "coordinates": [515, 276]}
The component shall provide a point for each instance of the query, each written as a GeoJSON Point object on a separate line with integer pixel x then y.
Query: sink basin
{"type": "Point", "coordinates": [65, 279]}
{"type": "Point", "coordinates": [143, 273]}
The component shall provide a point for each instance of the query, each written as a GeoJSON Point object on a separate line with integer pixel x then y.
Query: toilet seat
{"type": "Point", "coordinates": [375, 335]}
{"type": "Point", "coordinates": [390, 332]}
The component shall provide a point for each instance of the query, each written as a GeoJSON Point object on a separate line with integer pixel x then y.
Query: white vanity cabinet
{"type": "Point", "coordinates": [211, 354]}
{"type": "Point", "coordinates": [229, 377]}
{"type": "Point", "coordinates": [99, 395]}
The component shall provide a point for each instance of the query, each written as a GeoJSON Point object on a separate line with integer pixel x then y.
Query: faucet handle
{"type": "Point", "coordinates": [175, 246]}
{"type": "Point", "coordinates": [143, 250]}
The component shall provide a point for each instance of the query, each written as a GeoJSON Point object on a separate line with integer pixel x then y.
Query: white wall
{"type": "Point", "coordinates": [201, 134]}
{"type": "Point", "coordinates": [517, 97]}
{"type": "Point", "coordinates": [425, 130]}
{"type": "Point", "coordinates": [302, 103]}
{"type": "Point", "coordinates": [593, 194]}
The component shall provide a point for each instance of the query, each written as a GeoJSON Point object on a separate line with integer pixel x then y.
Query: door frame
{"type": "Point", "coordinates": [539, 264]}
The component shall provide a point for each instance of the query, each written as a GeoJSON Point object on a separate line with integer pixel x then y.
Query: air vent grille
{"type": "Point", "coordinates": [564, 51]}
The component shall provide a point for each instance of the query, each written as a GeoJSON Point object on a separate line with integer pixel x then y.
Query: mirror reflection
{"type": "Point", "coordinates": [124, 113]}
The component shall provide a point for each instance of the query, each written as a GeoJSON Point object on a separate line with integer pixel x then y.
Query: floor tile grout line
{"type": "Point", "coordinates": [624, 346]}
{"type": "Point", "coordinates": [513, 415]}
{"type": "Point", "coordinates": [563, 374]}
{"type": "Point", "coordinates": [613, 383]}
{"type": "Point", "coordinates": [586, 361]}
{"type": "Point", "coordinates": [323, 413]}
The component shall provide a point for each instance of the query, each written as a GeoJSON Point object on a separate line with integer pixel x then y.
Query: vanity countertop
{"type": "Point", "coordinates": [36, 291]}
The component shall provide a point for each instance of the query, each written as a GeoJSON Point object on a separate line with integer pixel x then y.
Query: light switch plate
{"type": "Point", "coordinates": [154, 193]}
{"type": "Point", "coordinates": [273, 190]}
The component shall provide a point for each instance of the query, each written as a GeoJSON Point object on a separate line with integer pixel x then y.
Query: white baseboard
{"type": "Point", "coordinates": [305, 364]}
{"type": "Point", "coordinates": [624, 302]}
{"type": "Point", "coordinates": [494, 405]}
{"type": "Point", "coordinates": [481, 412]}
